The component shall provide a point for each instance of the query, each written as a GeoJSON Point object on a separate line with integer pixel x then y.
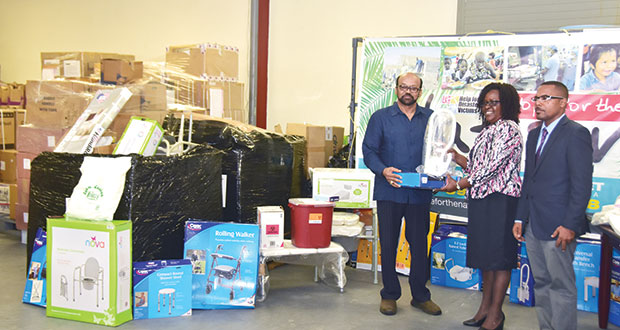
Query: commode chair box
{"type": "Point", "coordinates": [89, 270]}
{"type": "Point", "coordinates": [448, 255]}
{"type": "Point", "coordinates": [224, 258]}
{"type": "Point", "coordinates": [348, 188]}
{"type": "Point", "coordinates": [587, 264]}
{"type": "Point", "coordinates": [162, 288]}
{"type": "Point", "coordinates": [522, 280]}
{"type": "Point", "coordinates": [34, 292]}
{"type": "Point", "coordinates": [271, 222]}
{"type": "Point", "coordinates": [141, 136]}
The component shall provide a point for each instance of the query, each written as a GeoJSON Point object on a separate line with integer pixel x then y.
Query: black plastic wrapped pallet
{"type": "Point", "coordinates": [262, 168]}
{"type": "Point", "coordinates": [160, 194]}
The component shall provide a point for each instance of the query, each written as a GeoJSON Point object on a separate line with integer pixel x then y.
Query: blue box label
{"type": "Point", "coordinates": [163, 288]}
{"type": "Point", "coordinates": [224, 258]}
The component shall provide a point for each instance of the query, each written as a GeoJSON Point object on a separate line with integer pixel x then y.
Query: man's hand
{"type": "Point", "coordinates": [564, 236]}
{"type": "Point", "coordinates": [517, 231]}
{"type": "Point", "coordinates": [392, 178]}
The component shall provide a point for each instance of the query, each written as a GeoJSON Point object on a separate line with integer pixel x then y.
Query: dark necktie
{"type": "Point", "coordinates": [542, 142]}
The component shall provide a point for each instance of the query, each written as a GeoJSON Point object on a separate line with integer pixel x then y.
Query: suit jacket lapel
{"type": "Point", "coordinates": [551, 139]}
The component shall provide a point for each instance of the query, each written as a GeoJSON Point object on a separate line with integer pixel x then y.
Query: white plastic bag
{"type": "Point", "coordinates": [99, 191]}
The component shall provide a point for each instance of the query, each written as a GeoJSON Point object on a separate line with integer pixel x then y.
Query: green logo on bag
{"type": "Point", "coordinates": [93, 192]}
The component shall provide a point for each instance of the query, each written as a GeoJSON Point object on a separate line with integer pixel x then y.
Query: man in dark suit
{"type": "Point", "coordinates": [556, 190]}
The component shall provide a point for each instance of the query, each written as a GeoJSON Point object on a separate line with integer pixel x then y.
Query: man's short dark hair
{"type": "Point", "coordinates": [407, 73]}
{"type": "Point", "coordinates": [561, 86]}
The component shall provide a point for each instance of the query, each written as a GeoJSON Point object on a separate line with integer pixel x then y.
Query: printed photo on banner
{"type": "Point", "coordinates": [471, 67]}
{"type": "Point", "coordinates": [530, 66]}
{"type": "Point", "coordinates": [600, 69]}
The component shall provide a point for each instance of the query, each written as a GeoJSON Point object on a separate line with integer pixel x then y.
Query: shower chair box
{"type": "Point", "coordinates": [587, 264]}
{"type": "Point", "coordinates": [448, 255]}
{"type": "Point", "coordinates": [224, 260]}
{"type": "Point", "coordinates": [34, 292]}
{"type": "Point", "coordinates": [89, 270]}
{"type": "Point", "coordinates": [162, 288]}
{"type": "Point", "coordinates": [522, 280]}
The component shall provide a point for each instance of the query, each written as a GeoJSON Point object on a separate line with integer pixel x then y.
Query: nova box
{"type": "Point", "coordinates": [351, 188]}
{"type": "Point", "coordinates": [142, 136]}
{"type": "Point", "coordinates": [224, 259]}
{"type": "Point", "coordinates": [162, 288]}
{"type": "Point", "coordinates": [89, 270]}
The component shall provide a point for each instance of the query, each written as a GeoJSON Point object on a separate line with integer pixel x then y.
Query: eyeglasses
{"type": "Point", "coordinates": [546, 98]}
{"type": "Point", "coordinates": [409, 88]}
{"type": "Point", "coordinates": [491, 103]}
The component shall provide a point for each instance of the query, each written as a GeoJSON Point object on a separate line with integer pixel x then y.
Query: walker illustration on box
{"type": "Point", "coordinates": [523, 292]}
{"type": "Point", "coordinates": [459, 273]}
{"type": "Point", "coordinates": [222, 271]}
{"type": "Point", "coordinates": [89, 275]}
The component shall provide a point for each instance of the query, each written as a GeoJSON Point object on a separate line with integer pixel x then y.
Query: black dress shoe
{"type": "Point", "coordinates": [500, 326]}
{"type": "Point", "coordinates": [473, 323]}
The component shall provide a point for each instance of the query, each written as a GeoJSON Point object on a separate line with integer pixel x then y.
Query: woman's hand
{"type": "Point", "coordinates": [450, 185]}
{"type": "Point", "coordinates": [458, 158]}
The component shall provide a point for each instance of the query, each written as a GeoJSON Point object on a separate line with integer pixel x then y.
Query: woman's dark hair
{"type": "Point", "coordinates": [508, 98]}
{"type": "Point", "coordinates": [597, 50]}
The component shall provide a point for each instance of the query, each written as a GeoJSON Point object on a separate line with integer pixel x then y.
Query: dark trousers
{"type": "Point", "coordinates": [417, 221]}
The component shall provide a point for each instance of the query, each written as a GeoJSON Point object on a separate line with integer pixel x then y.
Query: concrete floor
{"type": "Point", "coordinates": [294, 301]}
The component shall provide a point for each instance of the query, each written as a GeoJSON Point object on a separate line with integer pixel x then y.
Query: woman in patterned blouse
{"type": "Point", "coordinates": [494, 185]}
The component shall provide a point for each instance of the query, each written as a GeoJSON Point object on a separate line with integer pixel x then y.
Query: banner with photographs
{"type": "Point", "coordinates": [455, 69]}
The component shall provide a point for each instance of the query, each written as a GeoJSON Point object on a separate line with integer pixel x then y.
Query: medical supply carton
{"type": "Point", "coordinates": [614, 303]}
{"type": "Point", "coordinates": [348, 188]}
{"type": "Point", "coordinates": [586, 265]}
{"type": "Point", "coordinates": [141, 136]}
{"type": "Point", "coordinates": [224, 259]}
{"type": "Point", "coordinates": [418, 180]}
{"type": "Point", "coordinates": [271, 222]}
{"type": "Point", "coordinates": [89, 270]}
{"type": "Point", "coordinates": [448, 258]}
{"type": "Point", "coordinates": [522, 280]}
{"type": "Point", "coordinates": [35, 291]}
{"type": "Point", "coordinates": [162, 288]}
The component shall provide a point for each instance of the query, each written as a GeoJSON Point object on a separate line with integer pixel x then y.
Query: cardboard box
{"type": "Point", "coordinates": [35, 292]}
{"type": "Point", "coordinates": [4, 95]}
{"type": "Point", "coordinates": [162, 288]}
{"type": "Point", "coordinates": [8, 199]}
{"type": "Point", "coordinates": [21, 217]}
{"type": "Point", "coordinates": [224, 260]}
{"type": "Point", "coordinates": [154, 97]}
{"type": "Point", "coordinates": [23, 191]}
{"type": "Point", "coordinates": [448, 256]}
{"type": "Point", "coordinates": [8, 166]}
{"type": "Point", "coordinates": [120, 72]}
{"type": "Point", "coordinates": [403, 255]}
{"type": "Point", "coordinates": [17, 96]}
{"type": "Point", "coordinates": [23, 161]}
{"type": "Point", "coordinates": [56, 104]}
{"type": "Point", "coordinates": [350, 188]}
{"type": "Point", "coordinates": [9, 119]}
{"type": "Point", "coordinates": [587, 264]}
{"type": "Point", "coordinates": [522, 280]}
{"type": "Point", "coordinates": [203, 60]}
{"type": "Point", "coordinates": [321, 142]}
{"type": "Point", "coordinates": [35, 140]}
{"type": "Point", "coordinates": [89, 263]}
{"type": "Point", "coordinates": [271, 222]}
{"type": "Point", "coordinates": [92, 123]}
{"type": "Point", "coordinates": [364, 255]}
{"type": "Point", "coordinates": [142, 136]}
{"type": "Point", "coordinates": [74, 64]}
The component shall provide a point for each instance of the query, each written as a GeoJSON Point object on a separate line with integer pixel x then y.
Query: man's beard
{"type": "Point", "coordinates": [409, 101]}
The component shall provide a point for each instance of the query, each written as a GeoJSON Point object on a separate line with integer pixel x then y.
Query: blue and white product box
{"type": "Point", "coordinates": [614, 303]}
{"type": "Point", "coordinates": [586, 264]}
{"type": "Point", "coordinates": [224, 259]}
{"type": "Point", "coordinates": [522, 280]}
{"type": "Point", "coordinates": [35, 291]}
{"type": "Point", "coordinates": [448, 258]}
{"type": "Point", "coordinates": [162, 288]}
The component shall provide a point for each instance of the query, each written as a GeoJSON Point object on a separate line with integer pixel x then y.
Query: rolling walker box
{"type": "Point", "coordinates": [522, 280]}
{"type": "Point", "coordinates": [89, 273]}
{"type": "Point", "coordinates": [224, 259]}
{"type": "Point", "coordinates": [448, 255]}
{"type": "Point", "coordinates": [35, 292]}
{"type": "Point", "coordinates": [162, 288]}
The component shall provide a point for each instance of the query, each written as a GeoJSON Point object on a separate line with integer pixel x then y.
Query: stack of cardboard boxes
{"type": "Point", "coordinates": [12, 96]}
{"type": "Point", "coordinates": [206, 76]}
{"type": "Point", "coordinates": [9, 120]}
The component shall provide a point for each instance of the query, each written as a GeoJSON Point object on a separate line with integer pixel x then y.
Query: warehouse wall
{"type": "Point", "coordinates": [310, 41]}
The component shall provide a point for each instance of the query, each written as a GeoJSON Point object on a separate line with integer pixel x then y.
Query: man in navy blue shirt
{"type": "Point", "coordinates": [392, 144]}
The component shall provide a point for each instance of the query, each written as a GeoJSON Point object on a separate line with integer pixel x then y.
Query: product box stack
{"type": "Point", "coordinates": [207, 76]}
{"type": "Point", "coordinates": [85, 66]}
{"type": "Point", "coordinates": [9, 120]}
{"type": "Point", "coordinates": [12, 96]}
{"type": "Point", "coordinates": [322, 142]}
